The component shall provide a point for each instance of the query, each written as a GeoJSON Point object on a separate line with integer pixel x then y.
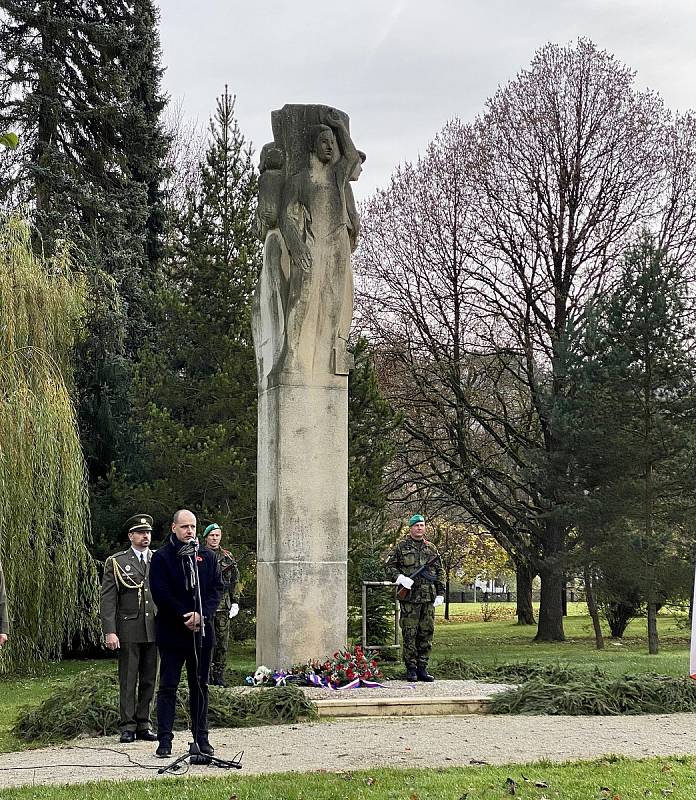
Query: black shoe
{"type": "Point", "coordinates": [146, 736]}
{"type": "Point", "coordinates": [164, 750]}
{"type": "Point", "coordinates": [206, 748]}
{"type": "Point", "coordinates": [423, 675]}
{"type": "Point", "coordinates": [127, 737]}
{"type": "Point", "coordinates": [411, 675]}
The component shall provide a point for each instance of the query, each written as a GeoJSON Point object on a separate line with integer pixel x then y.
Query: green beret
{"type": "Point", "coordinates": [212, 527]}
{"type": "Point", "coordinates": [138, 522]}
{"type": "Point", "coordinates": [414, 519]}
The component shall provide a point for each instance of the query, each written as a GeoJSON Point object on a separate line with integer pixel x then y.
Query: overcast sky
{"type": "Point", "coordinates": [402, 68]}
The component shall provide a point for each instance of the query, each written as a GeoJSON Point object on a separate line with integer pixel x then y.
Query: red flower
{"type": "Point", "coordinates": [346, 665]}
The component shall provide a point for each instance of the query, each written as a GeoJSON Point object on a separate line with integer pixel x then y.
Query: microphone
{"type": "Point", "coordinates": [190, 551]}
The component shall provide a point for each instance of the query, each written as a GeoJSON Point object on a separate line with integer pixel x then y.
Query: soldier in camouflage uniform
{"type": "Point", "coordinates": [128, 622]}
{"type": "Point", "coordinates": [426, 592]}
{"type": "Point", "coordinates": [229, 603]}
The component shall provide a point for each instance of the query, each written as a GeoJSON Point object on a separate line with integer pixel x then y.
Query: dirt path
{"type": "Point", "coordinates": [352, 744]}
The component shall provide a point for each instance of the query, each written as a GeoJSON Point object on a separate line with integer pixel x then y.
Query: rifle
{"type": "Point", "coordinates": [402, 592]}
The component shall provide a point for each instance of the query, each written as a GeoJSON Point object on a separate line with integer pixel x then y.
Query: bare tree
{"type": "Point", "coordinates": [188, 140]}
{"type": "Point", "coordinates": [468, 554]}
{"type": "Point", "coordinates": [462, 414]}
{"type": "Point", "coordinates": [676, 229]}
{"type": "Point", "coordinates": [477, 263]}
{"type": "Point", "coordinates": [570, 168]}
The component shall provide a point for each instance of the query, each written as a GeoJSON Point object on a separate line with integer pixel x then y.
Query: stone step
{"type": "Point", "coordinates": [401, 706]}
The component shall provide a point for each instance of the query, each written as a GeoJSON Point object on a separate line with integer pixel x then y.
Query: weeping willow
{"type": "Point", "coordinates": [44, 522]}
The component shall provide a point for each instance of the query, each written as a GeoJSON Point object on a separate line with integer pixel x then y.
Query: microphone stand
{"type": "Point", "coordinates": [190, 553]}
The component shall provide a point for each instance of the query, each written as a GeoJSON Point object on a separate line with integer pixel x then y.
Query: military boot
{"type": "Point", "coordinates": [411, 674]}
{"type": "Point", "coordinates": [423, 674]}
{"type": "Point", "coordinates": [216, 678]}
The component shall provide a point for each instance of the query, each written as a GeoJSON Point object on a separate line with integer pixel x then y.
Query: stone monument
{"type": "Point", "coordinates": [303, 307]}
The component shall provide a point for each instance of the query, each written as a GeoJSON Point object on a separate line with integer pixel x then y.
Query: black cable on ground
{"type": "Point", "coordinates": [131, 761]}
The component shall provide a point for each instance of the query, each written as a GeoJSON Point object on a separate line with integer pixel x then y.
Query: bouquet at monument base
{"type": "Point", "coordinates": [346, 669]}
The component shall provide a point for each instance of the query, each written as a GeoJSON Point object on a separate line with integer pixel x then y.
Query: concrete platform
{"type": "Point", "coordinates": [404, 699]}
{"type": "Point", "coordinates": [397, 698]}
{"type": "Point", "coordinates": [401, 706]}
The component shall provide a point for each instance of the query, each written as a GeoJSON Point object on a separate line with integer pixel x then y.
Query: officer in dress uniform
{"type": "Point", "coordinates": [128, 623]}
{"type": "Point", "coordinates": [426, 593]}
{"type": "Point", "coordinates": [229, 605]}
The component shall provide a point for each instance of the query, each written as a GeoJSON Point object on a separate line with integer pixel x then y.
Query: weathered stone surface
{"type": "Point", "coordinates": [303, 308]}
{"type": "Point", "coordinates": [309, 224]}
{"type": "Point", "coordinates": [302, 523]}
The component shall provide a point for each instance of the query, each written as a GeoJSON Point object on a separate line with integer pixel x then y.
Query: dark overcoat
{"type": "Point", "coordinates": [169, 584]}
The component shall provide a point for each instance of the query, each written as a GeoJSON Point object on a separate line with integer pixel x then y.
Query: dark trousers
{"type": "Point", "coordinates": [172, 659]}
{"type": "Point", "coordinates": [137, 672]}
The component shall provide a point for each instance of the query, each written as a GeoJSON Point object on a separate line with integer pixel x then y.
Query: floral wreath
{"type": "Point", "coordinates": [350, 668]}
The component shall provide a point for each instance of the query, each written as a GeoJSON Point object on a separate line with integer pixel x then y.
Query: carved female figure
{"type": "Point", "coordinates": [319, 225]}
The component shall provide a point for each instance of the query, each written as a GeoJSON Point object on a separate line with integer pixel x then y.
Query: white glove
{"type": "Point", "coordinates": [234, 610]}
{"type": "Point", "coordinates": [438, 601]}
{"type": "Point", "coordinates": [402, 580]}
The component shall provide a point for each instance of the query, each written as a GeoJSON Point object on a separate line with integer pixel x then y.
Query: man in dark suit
{"type": "Point", "coordinates": [128, 623]}
{"type": "Point", "coordinates": [187, 586]}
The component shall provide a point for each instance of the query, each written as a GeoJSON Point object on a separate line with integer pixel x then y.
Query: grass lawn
{"type": "Point", "coordinates": [606, 779]}
{"type": "Point", "coordinates": [500, 641]}
{"type": "Point", "coordinates": [32, 689]}
{"type": "Point", "coordinates": [464, 636]}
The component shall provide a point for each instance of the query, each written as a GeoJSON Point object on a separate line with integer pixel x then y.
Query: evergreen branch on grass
{"type": "Point", "coordinates": [630, 694]}
{"type": "Point", "coordinates": [519, 672]}
{"type": "Point", "coordinates": [89, 707]}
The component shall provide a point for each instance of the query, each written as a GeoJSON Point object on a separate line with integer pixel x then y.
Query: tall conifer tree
{"type": "Point", "coordinates": [81, 86]}
{"type": "Point", "coordinates": [196, 383]}
{"type": "Point", "coordinates": [372, 425]}
{"type": "Point", "coordinates": [634, 421]}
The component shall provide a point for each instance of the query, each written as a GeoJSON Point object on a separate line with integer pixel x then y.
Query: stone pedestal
{"type": "Point", "coordinates": [302, 521]}
{"type": "Point", "coordinates": [303, 306]}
